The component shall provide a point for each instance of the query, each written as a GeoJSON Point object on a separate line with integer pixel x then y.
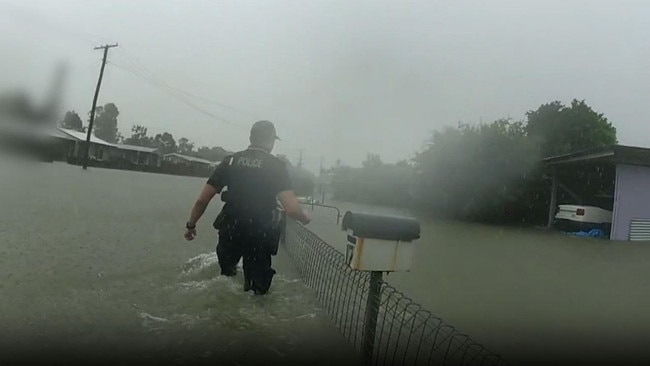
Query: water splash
{"type": "Point", "coordinates": [200, 298]}
{"type": "Point", "coordinates": [200, 263]}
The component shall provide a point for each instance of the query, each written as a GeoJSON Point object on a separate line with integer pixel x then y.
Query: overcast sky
{"type": "Point", "coordinates": [339, 78]}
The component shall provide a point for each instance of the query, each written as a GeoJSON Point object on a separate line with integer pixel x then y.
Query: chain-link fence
{"type": "Point", "coordinates": [405, 333]}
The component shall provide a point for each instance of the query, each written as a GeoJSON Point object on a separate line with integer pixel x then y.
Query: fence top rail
{"type": "Point", "coordinates": [313, 205]}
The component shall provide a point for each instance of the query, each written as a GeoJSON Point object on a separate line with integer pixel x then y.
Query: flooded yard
{"type": "Point", "coordinates": [525, 293]}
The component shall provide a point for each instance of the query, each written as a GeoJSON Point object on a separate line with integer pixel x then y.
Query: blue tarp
{"type": "Point", "coordinates": [593, 233]}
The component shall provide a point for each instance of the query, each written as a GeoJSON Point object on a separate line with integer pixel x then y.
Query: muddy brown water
{"type": "Point", "coordinates": [93, 267]}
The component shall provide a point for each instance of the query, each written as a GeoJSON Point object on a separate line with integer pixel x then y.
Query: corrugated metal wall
{"type": "Point", "coordinates": [632, 203]}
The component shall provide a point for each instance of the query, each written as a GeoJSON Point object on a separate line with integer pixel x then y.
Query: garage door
{"type": "Point", "coordinates": [639, 229]}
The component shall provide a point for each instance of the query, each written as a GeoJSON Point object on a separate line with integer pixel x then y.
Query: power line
{"type": "Point", "coordinates": [160, 84]}
{"type": "Point", "coordinates": [140, 70]}
{"type": "Point", "coordinates": [164, 88]}
{"type": "Point", "coordinates": [215, 103]}
{"type": "Point", "coordinates": [146, 70]}
{"type": "Point", "coordinates": [299, 165]}
{"type": "Point", "coordinates": [35, 18]}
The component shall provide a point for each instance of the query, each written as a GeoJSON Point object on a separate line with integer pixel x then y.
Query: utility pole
{"type": "Point", "coordinates": [92, 111]}
{"type": "Point", "coordinates": [322, 181]}
{"type": "Point", "coordinates": [300, 159]}
{"type": "Point", "coordinates": [320, 171]}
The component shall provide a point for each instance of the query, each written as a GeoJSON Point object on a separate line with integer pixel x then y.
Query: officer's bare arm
{"type": "Point", "coordinates": [202, 202]}
{"type": "Point", "coordinates": [292, 207]}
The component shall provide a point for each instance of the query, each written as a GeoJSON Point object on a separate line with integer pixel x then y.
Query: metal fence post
{"type": "Point", "coordinates": [372, 313]}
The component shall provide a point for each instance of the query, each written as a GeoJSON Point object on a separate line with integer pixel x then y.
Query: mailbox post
{"type": "Point", "coordinates": [378, 244]}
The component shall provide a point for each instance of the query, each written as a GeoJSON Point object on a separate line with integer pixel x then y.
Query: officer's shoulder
{"type": "Point", "coordinates": [228, 157]}
{"type": "Point", "coordinates": [236, 154]}
{"type": "Point", "coordinates": [277, 161]}
{"type": "Point", "coordinates": [240, 152]}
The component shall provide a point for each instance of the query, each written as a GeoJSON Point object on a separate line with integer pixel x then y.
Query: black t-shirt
{"type": "Point", "coordinates": [253, 178]}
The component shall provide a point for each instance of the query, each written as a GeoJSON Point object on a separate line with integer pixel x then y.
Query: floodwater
{"type": "Point", "coordinates": [527, 294]}
{"type": "Point", "coordinates": [94, 267]}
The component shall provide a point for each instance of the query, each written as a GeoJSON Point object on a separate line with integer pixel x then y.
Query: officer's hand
{"type": "Point", "coordinates": [190, 234]}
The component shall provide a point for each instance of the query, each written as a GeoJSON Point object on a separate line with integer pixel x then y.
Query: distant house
{"type": "Point", "coordinates": [99, 150]}
{"type": "Point", "coordinates": [188, 160]}
{"type": "Point", "coordinates": [60, 143]}
{"type": "Point", "coordinates": [187, 165]}
{"type": "Point", "coordinates": [138, 155]}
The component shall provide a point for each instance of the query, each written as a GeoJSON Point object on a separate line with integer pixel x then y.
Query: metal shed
{"type": "Point", "coordinates": [630, 191]}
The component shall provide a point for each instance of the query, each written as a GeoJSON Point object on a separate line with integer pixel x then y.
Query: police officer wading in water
{"type": "Point", "coordinates": [248, 224]}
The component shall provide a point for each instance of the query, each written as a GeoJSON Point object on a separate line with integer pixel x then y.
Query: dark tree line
{"type": "Point", "coordinates": [375, 182]}
{"type": "Point", "coordinates": [490, 172]}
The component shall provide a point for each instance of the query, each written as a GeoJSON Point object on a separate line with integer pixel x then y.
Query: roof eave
{"type": "Point", "coordinates": [585, 155]}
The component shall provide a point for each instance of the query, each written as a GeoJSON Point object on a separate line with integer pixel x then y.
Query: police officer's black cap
{"type": "Point", "coordinates": [263, 130]}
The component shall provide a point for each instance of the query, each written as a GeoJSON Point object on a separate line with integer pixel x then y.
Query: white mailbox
{"type": "Point", "coordinates": [380, 243]}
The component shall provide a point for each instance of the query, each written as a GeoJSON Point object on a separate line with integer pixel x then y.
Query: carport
{"type": "Point", "coordinates": [625, 174]}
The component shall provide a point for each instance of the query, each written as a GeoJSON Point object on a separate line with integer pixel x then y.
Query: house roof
{"type": "Point", "coordinates": [55, 132]}
{"type": "Point", "coordinates": [608, 155]}
{"type": "Point", "coordinates": [81, 136]}
{"type": "Point", "coordinates": [191, 159]}
{"type": "Point", "coordinates": [136, 148]}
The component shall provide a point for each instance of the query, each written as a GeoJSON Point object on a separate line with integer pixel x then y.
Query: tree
{"type": "Point", "coordinates": [372, 160]}
{"type": "Point", "coordinates": [561, 129]}
{"type": "Point", "coordinates": [106, 122]}
{"type": "Point", "coordinates": [474, 172]}
{"type": "Point", "coordinates": [139, 137]}
{"type": "Point", "coordinates": [166, 143]}
{"type": "Point", "coordinates": [185, 147]}
{"type": "Point", "coordinates": [490, 172]}
{"type": "Point", "coordinates": [216, 153]}
{"type": "Point", "coordinates": [374, 183]}
{"type": "Point", "coordinates": [72, 121]}
{"type": "Point", "coordinates": [565, 129]}
{"type": "Point", "coordinates": [302, 181]}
